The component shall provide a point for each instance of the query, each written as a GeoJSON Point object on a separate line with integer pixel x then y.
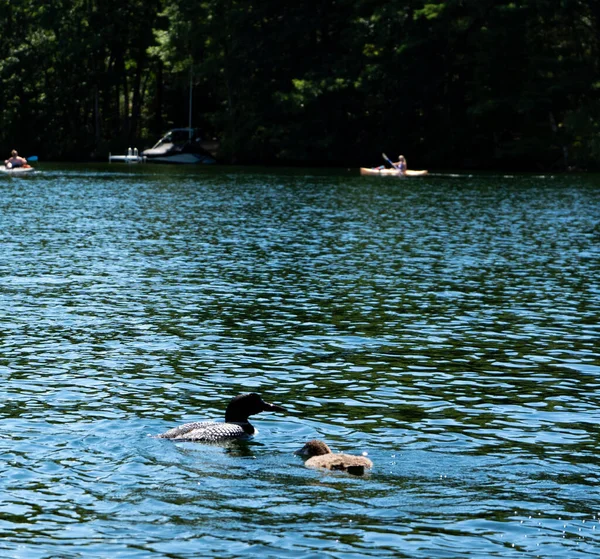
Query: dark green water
{"type": "Point", "coordinates": [448, 326]}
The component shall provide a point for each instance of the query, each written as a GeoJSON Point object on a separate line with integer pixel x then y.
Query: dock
{"type": "Point", "coordinates": [132, 156]}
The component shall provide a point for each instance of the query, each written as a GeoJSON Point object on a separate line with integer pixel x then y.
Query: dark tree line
{"type": "Point", "coordinates": [454, 83]}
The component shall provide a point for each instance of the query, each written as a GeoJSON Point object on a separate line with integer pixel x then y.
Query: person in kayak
{"type": "Point", "coordinates": [401, 165]}
{"type": "Point", "coordinates": [15, 160]}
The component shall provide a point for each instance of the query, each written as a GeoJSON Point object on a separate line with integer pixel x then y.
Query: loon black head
{"type": "Point", "coordinates": [245, 405]}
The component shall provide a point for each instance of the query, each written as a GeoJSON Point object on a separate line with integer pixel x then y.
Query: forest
{"type": "Point", "coordinates": [454, 84]}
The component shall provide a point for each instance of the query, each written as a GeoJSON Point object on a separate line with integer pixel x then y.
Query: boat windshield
{"type": "Point", "coordinates": [178, 136]}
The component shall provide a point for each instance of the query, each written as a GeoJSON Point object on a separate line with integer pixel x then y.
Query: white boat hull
{"type": "Point", "coordinates": [179, 158]}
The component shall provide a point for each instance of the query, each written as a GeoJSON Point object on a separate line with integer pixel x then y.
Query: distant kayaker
{"type": "Point", "coordinates": [401, 164]}
{"type": "Point", "coordinates": [15, 160]}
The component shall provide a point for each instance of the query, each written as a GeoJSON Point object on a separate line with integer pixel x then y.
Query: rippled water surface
{"type": "Point", "coordinates": [447, 326]}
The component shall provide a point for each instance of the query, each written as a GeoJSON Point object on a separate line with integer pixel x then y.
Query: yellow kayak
{"type": "Point", "coordinates": [390, 172]}
{"type": "Point", "coordinates": [16, 170]}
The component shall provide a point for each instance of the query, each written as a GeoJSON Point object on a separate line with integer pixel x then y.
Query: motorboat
{"type": "Point", "coordinates": [182, 146]}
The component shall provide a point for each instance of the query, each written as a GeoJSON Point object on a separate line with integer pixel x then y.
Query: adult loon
{"type": "Point", "coordinates": [236, 424]}
{"type": "Point", "coordinates": [320, 456]}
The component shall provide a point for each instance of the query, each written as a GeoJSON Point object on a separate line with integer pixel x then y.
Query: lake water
{"type": "Point", "coordinates": [448, 326]}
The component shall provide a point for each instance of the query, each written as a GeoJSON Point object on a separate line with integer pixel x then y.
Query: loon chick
{"type": "Point", "coordinates": [320, 456]}
{"type": "Point", "coordinates": [236, 424]}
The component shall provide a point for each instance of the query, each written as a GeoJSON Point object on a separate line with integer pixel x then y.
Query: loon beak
{"type": "Point", "coordinates": [301, 451]}
{"type": "Point", "coordinates": [272, 407]}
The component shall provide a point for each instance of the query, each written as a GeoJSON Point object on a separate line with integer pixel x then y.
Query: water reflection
{"type": "Point", "coordinates": [447, 327]}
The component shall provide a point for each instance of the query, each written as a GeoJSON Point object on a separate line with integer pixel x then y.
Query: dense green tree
{"type": "Point", "coordinates": [455, 83]}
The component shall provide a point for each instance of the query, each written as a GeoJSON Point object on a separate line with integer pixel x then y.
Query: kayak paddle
{"type": "Point", "coordinates": [388, 160]}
